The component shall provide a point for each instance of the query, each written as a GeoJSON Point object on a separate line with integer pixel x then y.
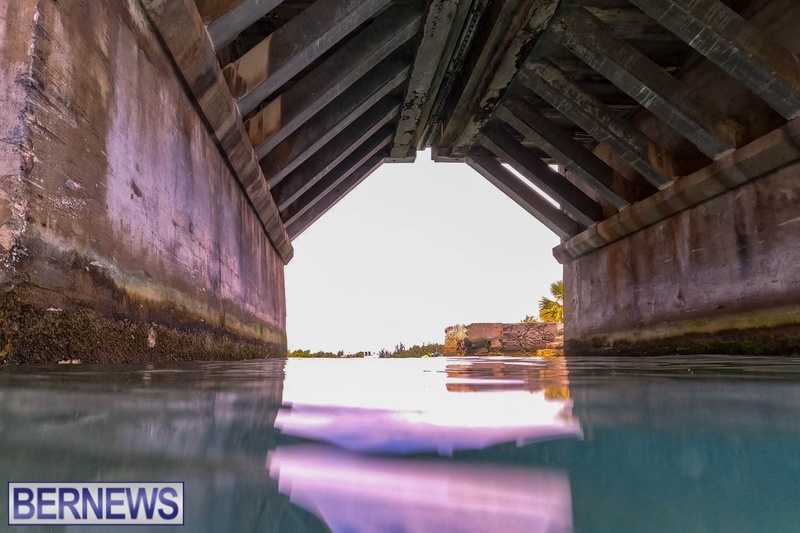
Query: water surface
{"type": "Point", "coordinates": [417, 445]}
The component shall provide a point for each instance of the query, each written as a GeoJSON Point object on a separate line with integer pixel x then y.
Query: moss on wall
{"type": "Point", "coordinates": [30, 334]}
{"type": "Point", "coordinates": [779, 340]}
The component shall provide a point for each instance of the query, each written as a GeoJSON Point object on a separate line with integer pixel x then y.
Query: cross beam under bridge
{"type": "Point", "coordinates": [557, 82]}
{"type": "Point", "coordinates": [657, 138]}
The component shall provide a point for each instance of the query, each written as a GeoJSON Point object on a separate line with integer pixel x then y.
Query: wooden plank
{"type": "Point", "coordinates": [226, 19]}
{"type": "Point", "coordinates": [748, 55]}
{"type": "Point", "coordinates": [315, 168]}
{"type": "Point", "coordinates": [181, 29]}
{"type": "Point", "coordinates": [210, 10]}
{"type": "Point", "coordinates": [518, 24]}
{"type": "Point", "coordinates": [552, 217]}
{"type": "Point", "coordinates": [282, 55]}
{"type": "Point", "coordinates": [560, 145]}
{"type": "Point", "coordinates": [572, 200]}
{"type": "Point", "coordinates": [332, 198]}
{"type": "Point", "coordinates": [435, 34]}
{"type": "Point", "coordinates": [329, 122]}
{"type": "Point", "coordinates": [367, 152]}
{"type": "Point", "coordinates": [753, 161]}
{"type": "Point", "coordinates": [644, 81]}
{"type": "Point", "coordinates": [283, 115]}
{"type": "Point", "coordinates": [629, 23]}
{"type": "Point", "coordinates": [465, 28]}
{"type": "Point", "coordinates": [595, 118]}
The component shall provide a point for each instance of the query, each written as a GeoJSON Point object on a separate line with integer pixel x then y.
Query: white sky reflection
{"type": "Point", "coordinates": [366, 416]}
{"type": "Point", "coordinates": [368, 494]}
{"type": "Point", "coordinates": [404, 406]}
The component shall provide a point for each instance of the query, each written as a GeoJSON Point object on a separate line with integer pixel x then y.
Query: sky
{"type": "Point", "coordinates": [412, 250]}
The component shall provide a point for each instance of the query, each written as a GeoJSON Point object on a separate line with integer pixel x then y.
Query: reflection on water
{"type": "Point", "coordinates": [401, 407]}
{"type": "Point", "coordinates": [619, 445]}
{"type": "Point", "coordinates": [354, 492]}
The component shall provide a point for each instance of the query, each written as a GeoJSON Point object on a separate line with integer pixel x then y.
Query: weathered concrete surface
{"type": "Point", "coordinates": [442, 17]}
{"type": "Point", "coordinates": [712, 277]}
{"type": "Point", "coordinates": [756, 160]}
{"type": "Point", "coordinates": [501, 339]}
{"type": "Point", "coordinates": [16, 157]}
{"type": "Point", "coordinates": [721, 277]}
{"type": "Point", "coordinates": [118, 210]}
{"type": "Point", "coordinates": [183, 35]}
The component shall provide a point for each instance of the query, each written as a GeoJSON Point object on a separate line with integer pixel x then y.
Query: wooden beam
{"type": "Point", "coordinates": [595, 118]}
{"type": "Point", "coordinates": [515, 25]}
{"type": "Point", "coordinates": [329, 122]}
{"type": "Point", "coordinates": [211, 10]}
{"type": "Point", "coordinates": [283, 115]}
{"type": "Point", "coordinates": [366, 153]}
{"type": "Point", "coordinates": [560, 145]}
{"type": "Point", "coordinates": [552, 217]}
{"type": "Point", "coordinates": [756, 160]}
{"type": "Point", "coordinates": [282, 55]}
{"type": "Point", "coordinates": [572, 200]}
{"type": "Point", "coordinates": [736, 46]}
{"type": "Point", "coordinates": [465, 28]}
{"type": "Point", "coordinates": [647, 83]}
{"type": "Point", "coordinates": [181, 29]}
{"type": "Point", "coordinates": [313, 170]}
{"type": "Point", "coordinates": [226, 19]}
{"type": "Point", "coordinates": [435, 35]}
{"type": "Point", "coordinates": [630, 24]}
{"type": "Point", "coordinates": [331, 198]}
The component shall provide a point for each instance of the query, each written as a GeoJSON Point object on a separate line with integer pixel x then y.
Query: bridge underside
{"type": "Point", "coordinates": [672, 125]}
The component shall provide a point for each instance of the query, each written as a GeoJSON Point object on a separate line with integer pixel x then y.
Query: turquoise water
{"type": "Point", "coordinates": [495, 444]}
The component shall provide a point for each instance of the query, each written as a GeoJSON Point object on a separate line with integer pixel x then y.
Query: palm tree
{"type": "Point", "coordinates": [553, 310]}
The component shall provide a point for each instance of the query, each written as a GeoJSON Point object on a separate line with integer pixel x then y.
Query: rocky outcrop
{"type": "Point", "coordinates": [454, 339]}
{"type": "Point", "coordinates": [523, 338]}
{"type": "Point", "coordinates": [503, 339]}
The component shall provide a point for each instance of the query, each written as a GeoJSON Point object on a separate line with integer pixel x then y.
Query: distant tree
{"type": "Point", "coordinates": [417, 350]}
{"type": "Point", "coordinates": [553, 310]}
{"type": "Point", "coordinates": [400, 350]}
{"type": "Point", "coordinates": [308, 354]}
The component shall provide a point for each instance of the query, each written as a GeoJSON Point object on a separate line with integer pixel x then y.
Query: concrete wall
{"type": "Point", "coordinates": [720, 277]}
{"type": "Point", "coordinates": [125, 235]}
